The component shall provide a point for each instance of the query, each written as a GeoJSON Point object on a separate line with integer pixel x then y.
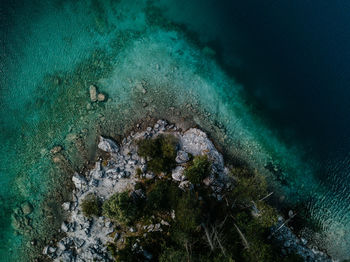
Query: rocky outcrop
{"type": "Point", "coordinates": [86, 238]}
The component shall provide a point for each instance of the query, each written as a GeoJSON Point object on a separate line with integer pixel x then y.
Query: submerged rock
{"type": "Point", "coordinates": [93, 93]}
{"type": "Point", "coordinates": [108, 145]}
{"type": "Point", "coordinates": [56, 150]}
{"type": "Point", "coordinates": [27, 208]}
{"type": "Point", "coordinates": [101, 97]}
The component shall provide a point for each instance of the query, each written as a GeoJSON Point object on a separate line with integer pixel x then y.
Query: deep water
{"type": "Point", "coordinates": [267, 79]}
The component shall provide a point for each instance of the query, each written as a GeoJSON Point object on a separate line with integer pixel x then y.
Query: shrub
{"type": "Point", "coordinates": [163, 195]}
{"type": "Point", "coordinates": [188, 213]}
{"type": "Point", "coordinates": [161, 151]}
{"type": "Point", "coordinates": [248, 188]}
{"type": "Point", "coordinates": [268, 215]}
{"type": "Point", "coordinates": [295, 258]}
{"type": "Point", "coordinates": [121, 208]}
{"type": "Point", "coordinates": [173, 255]}
{"type": "Point", "coordinates": [157, 198]}
{"type": "Point", "coordinates": [91, 206]}
{"type": "Point", "coordinates": [198, 170]}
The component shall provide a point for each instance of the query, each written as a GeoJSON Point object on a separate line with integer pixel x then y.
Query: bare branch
{"type": "Point", "coordinates": [266, 196]}
{"type": "Point", "coordinates": [209, 238]}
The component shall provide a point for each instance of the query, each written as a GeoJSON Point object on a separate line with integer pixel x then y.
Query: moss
{"type": "Point", "coordinates": [161, 152]}
{"type": "Point", "coordinates": [91, 206]}
{"type": "Point", "coordinates": [198, 169]}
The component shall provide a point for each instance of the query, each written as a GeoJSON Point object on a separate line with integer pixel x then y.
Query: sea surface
{"type": "Point", "coordinates": [269, 80]}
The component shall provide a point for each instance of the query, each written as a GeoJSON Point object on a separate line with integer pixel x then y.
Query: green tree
{"type": "Point", "coordinates": [121, 207]}
{"type": "Point", "coordinates": [161, 151]}
{"type": "Point", "coordinates": [198, 170]}
{"type": "Point", "coordinates": [91, 206]}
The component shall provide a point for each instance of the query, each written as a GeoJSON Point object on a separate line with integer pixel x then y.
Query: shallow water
{"type": "Point", "coordinates": [55, 49]}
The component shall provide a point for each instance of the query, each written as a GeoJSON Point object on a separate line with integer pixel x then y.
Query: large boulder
{"type": "Point", "coordinates": [108, 145]}
{"type": "Point", "coordinates": [196, 142]}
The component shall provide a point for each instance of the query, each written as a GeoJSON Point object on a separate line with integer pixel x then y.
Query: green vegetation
{"type": "Point", "coordinates": [198, 227]}
{"type": "Point", "coordinates": [161, 152]}
{"type": "Point", "coordinates": [121, 207]}
{"type": "Point", "coordinates": [91, 206]}
{"type": "Point", "coordinates": [198, 169]}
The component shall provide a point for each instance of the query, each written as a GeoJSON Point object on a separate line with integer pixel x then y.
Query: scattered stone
{"type": "Point", "coordinates": [93, 93]}
{"type": "Point", "coordinates": [56, 150]}
{"type": "Point", "coordinates": [150, 175]}
{"type": "Point", "coordinates": [101, 97]}
{"type": "Point", "coordinates": [27, 208]}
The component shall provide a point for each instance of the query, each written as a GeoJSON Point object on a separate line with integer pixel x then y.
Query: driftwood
{"type": "Point", "coordinates": [244, 240]}
{"type": "Point", "coordinates": [283, 224]}
{"type": "Point", "coordinates": [208, 237]}
{"type": "Point", "coordinates": [266, 196]}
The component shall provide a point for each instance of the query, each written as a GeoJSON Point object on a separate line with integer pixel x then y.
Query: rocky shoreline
{"type": "Point", "coordinates": [87, 238]}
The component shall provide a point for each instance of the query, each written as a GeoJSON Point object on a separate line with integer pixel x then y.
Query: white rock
{"type": "Point", "coordinates": [79, 181]}
{"type": "Point", "coordinates": [66, 206]}
{"type": "Point", "coordinates": [64, 227]}
{"type": "Point", "coordinates": [196, 142]}
{"type": "Point", "coordinates": [185, 184]}
{"type": "Point", "coordinates": [177, 174]}
{"type": "Point", "coordinates": [108, 145]}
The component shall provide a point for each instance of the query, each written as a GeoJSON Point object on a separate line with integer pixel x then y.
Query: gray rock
{"type": "Point", "coordinates": [46, 250]}
{"type": "Point", "coordinates": [79, 181]}
{"type": "Point", "coordinates": [67, 256]}
{"type": "Point", "coordinates": [182, 157]}
{"type": "Point", "coordinates": [66, 206]}
{"type": "Point", "coordinates": [64, 227]}
{"type": "Point", "coordinates": [61, 245]}
{"type": "Point", "coordinates": [150, 176]}
{"type": "Point", "coordinates": [108, 145]}
{"type": "Point", "coordinates": [196, 142]}
{"type": "Point", "coordinates": [185, 184]}
{"type": "Point", "coordinates": [78, 242]}
{"type": "Point", "coordinates": [177, 174]}
{"type": "Point", "coordinates": [94, 182]}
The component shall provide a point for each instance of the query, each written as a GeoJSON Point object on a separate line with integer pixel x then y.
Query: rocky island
{"type": "Point", "coordinates": [165, 194]}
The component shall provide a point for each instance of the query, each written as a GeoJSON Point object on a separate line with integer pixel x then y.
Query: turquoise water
{"type": "Point", "coordinates": [55, 49]}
